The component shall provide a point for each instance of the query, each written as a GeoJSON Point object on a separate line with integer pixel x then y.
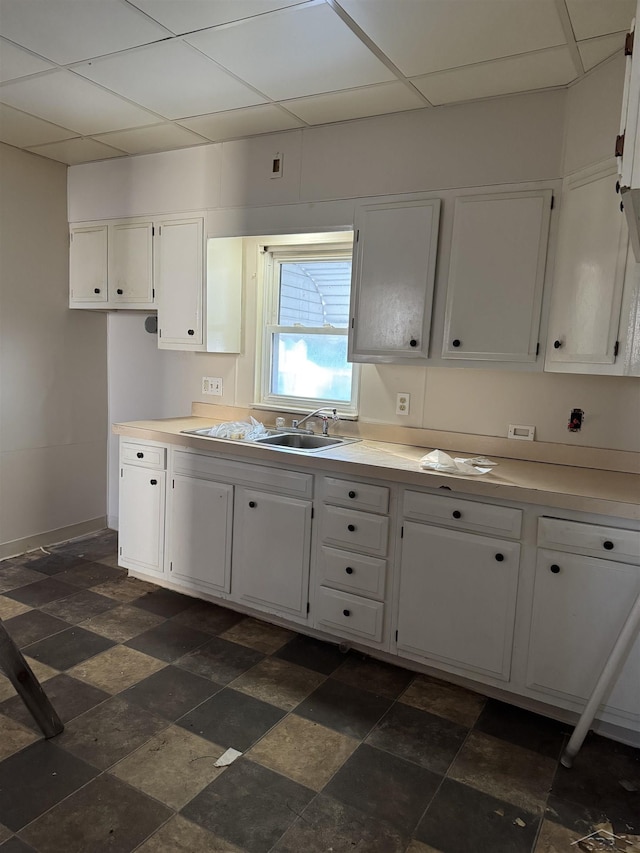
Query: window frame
{"type": "Point", "coordinates": [274, 254]}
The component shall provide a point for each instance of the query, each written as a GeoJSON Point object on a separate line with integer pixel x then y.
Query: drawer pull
{"type": "Point", "coordinates": [153, 482]}
{"type": "Point", "coordinates": [499, 557]}
{"type": "Point", "coordinates": [190, 332]}
{"type": "Point", "coordinates": [140, 455]}
{"type": "Point", "coordinates": [96, 290]}
{"type": "Point", "coordinates": [349, 570]}
{"type": "Point", "coordinates": [346, 613]}
{"type": "Point", "coordinates": [608, 545]}
{"type": "Point", "coordinates": [351, 528]}
{"type": "Point", "coordinates": [119, 291]}
{"type": "Point", "coordinates": [555, 568]}
{"type": "Point", "coordinates": [456, 513]}
{"type": "Point", "coordinates": [557, 344]}
{"type": "Point", "coordinates": [252, 504]}
{"type": "Point", "coordinates": [456, 343]}
{"type": "Point", "coordinates": [353, 494]}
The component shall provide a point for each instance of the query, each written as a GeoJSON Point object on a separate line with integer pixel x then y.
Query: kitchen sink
{"type": "Point", "coordinates": [303, 441]}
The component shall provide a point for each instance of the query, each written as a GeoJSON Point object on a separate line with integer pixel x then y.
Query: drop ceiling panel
{"type": "Point", "coordinates": [591, 18]}
{"type": "Point", "coordinates": [149, 140]}
{"type": "Point", "coordinates": [23, 130]}
{"type": "Point", "coordinates": [247, 122]}
{"type": "Point", "coordinates": [187, 16]}
{"type": "Point", "coordinates": [594, 51]}
{"type": "Point", "coordinates": [75, 151]}
{"type": "Point", "coordinates": [300, 51]}
{"type": "Point", "coordinates": [420, 37]}
{"type": "Point", "coordinates": [66, 99]}
{"type": "Point", "coordinates": [355, 103]}
{"type": "Point", "coordinates": [16, 62]}
{"type": "Point", "coordinates": [170, 78]}
{"type": "Point", "coordinates": [69, 30]}
{"type": "Point", "coordinates": [505, 76]}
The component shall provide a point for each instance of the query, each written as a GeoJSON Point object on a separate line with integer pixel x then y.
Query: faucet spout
{"type": "Point", "coordinates": [295, 424]}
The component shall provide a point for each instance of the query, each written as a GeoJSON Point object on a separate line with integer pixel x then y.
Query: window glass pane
{"type": "Point", "coordinates": [308, 365]}
{"type": "Point", "coordinates": [314, 293]}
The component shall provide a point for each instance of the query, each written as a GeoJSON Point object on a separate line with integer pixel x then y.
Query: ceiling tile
{"type": "Point", "coordinates": [170, 78]}
{"type": "Point", "coordinates": [237, 123]}
{"type": "Point", "coordinates": [16, 62]}
{"type": "Point", "coordinates": [590, 18]}
{"type": "Point", "coordinates": [150, 140]}
{"type": "Point", "coordinates": [522, 73]}
{"type": "Point", "coordinates": [300, 51]}
{"type": "Point", "coordinates": [187, 16]}
{"type": "Point", "coordinates": [21, 129]}
{"type": "Point", "coordinates": [69, 30]}
{"type": "Point", "coordinates": [420, 37]}
{"type": "Point", "coordinates": [75, 151]}
{"type": "Point", "coordinates": [68, 100]}
{"type": "Point", "coordinates": [594, 51]}
{"type": "Point", "coordinates": [355, 103]}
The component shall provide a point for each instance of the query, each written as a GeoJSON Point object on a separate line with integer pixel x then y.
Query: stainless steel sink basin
{"type": "Point", "coordinates": [303, 441]}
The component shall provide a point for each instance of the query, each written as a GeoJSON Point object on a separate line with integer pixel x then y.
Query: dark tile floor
{"type": "Point", "coordinates": [340, 752]}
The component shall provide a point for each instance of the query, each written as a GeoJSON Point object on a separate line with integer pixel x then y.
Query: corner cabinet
{"type": "Point", "coordinates": [392, 280]}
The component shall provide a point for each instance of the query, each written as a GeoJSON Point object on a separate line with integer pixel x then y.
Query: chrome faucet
{"type": "Point", "coordinates": [296, 424]}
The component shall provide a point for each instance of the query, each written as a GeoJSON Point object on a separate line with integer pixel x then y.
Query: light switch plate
{"type": "Point", "coordinates": [522, 432]}
{"type": "Point", "coordinates": [212, 385]}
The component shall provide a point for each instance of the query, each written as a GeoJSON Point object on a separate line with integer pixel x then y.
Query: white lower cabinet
{"type": "Point", "coordinates": [271, 552]}
{"type": "Point", "coordinates": [457, 599]}
{"type": "Point", "coordinates": [142, 517]}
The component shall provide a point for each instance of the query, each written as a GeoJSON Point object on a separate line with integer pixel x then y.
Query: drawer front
{"type": "Point", "coordinates": [349, 614]}
{"type": "Point", "coordinates": [594, 540]}
{"type": "Point", "coordinates": [352, 529]}
{"type": "Point", "coordinates": [466, 515]}
{"type": "Point", "coordinates": [357, 495]}
{"type": "Point", "coordinates": [145, 455]}
{"type": "Point", "coordinates": [352, 572]}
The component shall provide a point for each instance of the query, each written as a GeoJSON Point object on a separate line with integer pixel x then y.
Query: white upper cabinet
{"type": "Point", "coordinates": [393, 277]}
{"type": "Point", "coordinates": [496, 276]}
{"type": "Point", "coordinates": [180, 283]}
{"type": "Point", "coordinates": [628, 142]}
{"type": "Point", "coordinates": [88, 266]}
{"type": "Point", "coordinates": [131, 264]}
{"type": "Point", "coordinates": [589, 275]}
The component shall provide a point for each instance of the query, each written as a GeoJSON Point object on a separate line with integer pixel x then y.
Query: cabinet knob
{"type": "Point", "coordinates": [96, 290]}
{"type": "Point", "coordinates": [499, 557]}
{"type": "Point", "coordinates": [351, 528]}
{"type": "Point", "coordinates": [346, 613]}
{"type": "Point", "coordinates": [190, 332]}
{"type": "Point", "coordinates": [119, 291]}
{"type": "Point", "coordinates": [140, 455]}
{"type": "Point", "coordinates": [555, 568]}
{"type": "Point", "coordinates": [153, 482]}
{"type": "Point", "coordinates": [252, 504]}
{"type": "Point", "coordinates": [608, 545]}
{"type": "Point", "coordinates": [557, 344]}
{"type": "Point", "coordinates": [413, 342]}
{"type": "Point", "coordinates": [353, 494]}
{"type": "Point", "coordinates": [456, 342]}
{"type": "Point", "coordinates": [456, 513]}
{"type": "Point", "coordinates": [349, 570]}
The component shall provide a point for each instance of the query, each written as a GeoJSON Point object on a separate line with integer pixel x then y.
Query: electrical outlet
{"type": "Point", "coordinates": [402, 403]}
{"type": "Point", "coordinates": [521, 431]}
{"type": "Point", "coordinates": [212, 385]}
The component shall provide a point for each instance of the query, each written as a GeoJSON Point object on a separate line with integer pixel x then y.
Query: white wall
{"type": "Point", "coordinates": [53, 370]}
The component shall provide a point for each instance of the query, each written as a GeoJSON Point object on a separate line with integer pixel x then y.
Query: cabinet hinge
{"type": "Point", "coordinates": [159, 230]}
{"type": "Point", "coordinates": [538, 348]}
{"type": "Point", "coordinates": [159, 333]}
{"type": "Point", "coordinates": [357, 235]}
{"type": "Point", "coordinates": [616, 347]}
{"type": "Point", "coordinates": [312, 512]}
{"type": "Point", "coordinates": [402, 532]}
{"type": "Point", "coordinates": [173, 484]}
{"type": "Point", "coordinates": [122, 472]}
{"type": "Point", "coordinates": [153, 230]}
{"type": "Point", "coordinates": [121, 550]}
{"type": "Point", "coordinates": [619, 149]}
{"type": "Point", "coordinates": [153, 293]}
{"type": "Point", "coordinates": [628, 43]}
{"type": "Point", "coordinates": [553, 201]}
{"type": "Point", "coordinates": [171, 566]}
{"type": "Point", "coordinates": [353, 320]}
{"type": "Point", "coordinates": [70, 237]}
{"type": "Point", "coordinates": [396, 636]}
{"type": "Point", "coordinates": [308, 607]}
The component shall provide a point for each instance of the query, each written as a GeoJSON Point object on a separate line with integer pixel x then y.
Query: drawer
{"type": "Point", "coordinates": [145, 455]}
{"type": "Point", "coordinates": [352, 572]}
{"type": "Point", "coordinates": [362, 531]}
{"type": "Point", "coordinates": [349, 614]}
{"type": "Point", "coordinates": [466, 515]}
{"type": "Point", "coordinates": [357, 495]}
{"type": "Point", "coordinates": [594, 540]}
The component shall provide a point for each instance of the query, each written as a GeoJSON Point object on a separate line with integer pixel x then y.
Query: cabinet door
{"type": "Point", "coordinates": [496, 276]}
{"type": "Point", "coordinates": [88, 265]}
{"type": "Point", "coordinates": [271, 552]}
{"type": "Point", "coordinates": [589, 273]}
{"type": "Point", "coordinates": [131, 264]}
{"type": "Point", "coordinates": [457, 599]}
{"type": "Point", "coordinates": [180, 285]}
{"type": "Point", "coordinates": [579, 607]}
{"type": "Point", "coordinates": [392, 280]}
{"type": "Point", "coordinates": [141, 519]}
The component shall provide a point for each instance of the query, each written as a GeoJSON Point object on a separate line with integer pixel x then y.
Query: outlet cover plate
{"type": "Point", "coordinates": [522, 432]}
{"type": "Point", "coordinates": [403, 401]}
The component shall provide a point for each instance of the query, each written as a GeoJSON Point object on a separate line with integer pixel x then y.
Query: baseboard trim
{"type": "Point", "coordinates": [51, 537]}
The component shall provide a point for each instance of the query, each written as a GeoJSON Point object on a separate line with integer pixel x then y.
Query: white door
{"type": "Point", "coordinates": [180, 283]}
{"type": "Point", "coordinates": [88, 265]}
{"type": "Point", "coordinates": [496, 276]}
{"type": "Point", "coordinates": [131, 263]}
{"type": "Point", "coordinates": [200, 515]}
{"type": "Point", "coordinates": [579, 607]}
{"type": "Point", "coordinates": [589, 272]}
{"type": "Point", "coordinates": [271, 552]}
{"type": "Point", "coordinates": [392, 280]}
{"type": "Point", "coordinates": [141, 518]}
{"type": "Point", "coordinates": [457, 599]}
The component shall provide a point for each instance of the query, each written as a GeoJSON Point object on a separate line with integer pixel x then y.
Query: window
{"type": "Point", "coordinates": [305, 329]}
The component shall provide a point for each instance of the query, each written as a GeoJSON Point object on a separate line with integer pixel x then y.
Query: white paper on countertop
{"type": "Point", "coordinates": [438, 460]}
